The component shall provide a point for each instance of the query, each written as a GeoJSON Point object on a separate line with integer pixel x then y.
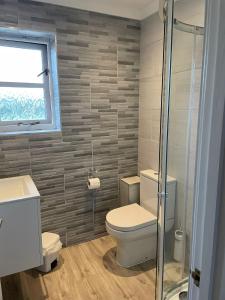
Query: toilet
{"type": "Point", "coordinates": [134, 225]}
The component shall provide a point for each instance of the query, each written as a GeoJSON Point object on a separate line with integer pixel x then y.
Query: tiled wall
{"type": "Point", "coordinates": [151, 46]}
{"type": "Point", "coordinates": [187, 59]}
{"type": "Point", "coordinates": [98, 62]}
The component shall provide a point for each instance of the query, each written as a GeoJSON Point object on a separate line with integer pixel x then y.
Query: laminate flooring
{"type": "Point", "coordinates": [85, 271]}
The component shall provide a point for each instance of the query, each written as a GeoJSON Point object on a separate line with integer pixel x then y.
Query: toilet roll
{"type": "Point", "coordinates": [93, 183]}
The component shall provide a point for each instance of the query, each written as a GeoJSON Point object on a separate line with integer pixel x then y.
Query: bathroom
{"type": "Point", "coordinates": [99, 114]}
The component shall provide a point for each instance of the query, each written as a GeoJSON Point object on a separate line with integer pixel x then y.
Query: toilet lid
{"type": "Point", "coordinates": [130, 217]}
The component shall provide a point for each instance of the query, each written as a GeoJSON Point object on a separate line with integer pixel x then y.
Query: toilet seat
{"type": "Point", "coordinates": [129, 218]}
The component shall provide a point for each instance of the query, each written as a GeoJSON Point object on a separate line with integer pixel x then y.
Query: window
{"type": "Point", "coordinates": [28, 84]}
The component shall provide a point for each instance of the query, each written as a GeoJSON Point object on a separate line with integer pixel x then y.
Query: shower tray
{"type": "Point", "coordinates": [178, 292]}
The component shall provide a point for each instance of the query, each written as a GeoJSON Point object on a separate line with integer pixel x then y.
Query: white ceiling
{"type": "Point", "coordinates": [134, 9]}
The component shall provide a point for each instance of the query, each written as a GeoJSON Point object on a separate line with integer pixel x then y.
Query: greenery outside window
{"type": "Point", "coordinates": [28, 83]}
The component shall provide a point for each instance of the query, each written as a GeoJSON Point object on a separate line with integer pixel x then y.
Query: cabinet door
{"type": "Point", "coordinates": [20, 236]}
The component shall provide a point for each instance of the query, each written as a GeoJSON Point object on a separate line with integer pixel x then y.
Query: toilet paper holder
{"type": "Point", "coordinates": [92, 173]}
{"type": "Point", "coordinates": [93, 182]}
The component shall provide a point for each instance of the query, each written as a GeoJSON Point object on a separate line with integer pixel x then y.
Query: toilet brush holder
{"type": "Point", "coordinates": [178, 245]}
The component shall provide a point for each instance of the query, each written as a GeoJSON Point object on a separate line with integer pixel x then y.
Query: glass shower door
{"type": "Point", "coordinates": [183, 52]}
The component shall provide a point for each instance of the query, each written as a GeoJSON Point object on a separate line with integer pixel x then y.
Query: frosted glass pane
{"type": "Point", "coordinates": [17, 104]}
{"type": "Point", "coordinates": [20, 65]}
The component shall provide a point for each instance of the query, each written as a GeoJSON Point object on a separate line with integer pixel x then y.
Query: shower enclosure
{"type": "Point", "coordinates": [183, 53]}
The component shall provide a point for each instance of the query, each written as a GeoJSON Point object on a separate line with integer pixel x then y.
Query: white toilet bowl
{"type": "Point", "coordinates": [135, 230]}
{"type": "Point", "coordinates": [135, 226]}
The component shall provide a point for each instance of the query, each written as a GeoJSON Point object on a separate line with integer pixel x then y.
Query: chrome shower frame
{"type": "Point", "coordinates": [163, 4]}
{"type": "Point", "coordinates": [167, 9]}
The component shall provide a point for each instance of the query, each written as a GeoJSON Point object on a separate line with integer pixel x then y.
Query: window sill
{"type": "Point", "coordinates": [31, 132]}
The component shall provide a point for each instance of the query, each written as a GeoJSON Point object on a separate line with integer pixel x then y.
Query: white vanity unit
{"type": "Point", "coordinates": [20, 225]}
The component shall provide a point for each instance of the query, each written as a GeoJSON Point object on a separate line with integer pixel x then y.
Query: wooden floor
{"type": "Point", "coordinates": [86, 271]}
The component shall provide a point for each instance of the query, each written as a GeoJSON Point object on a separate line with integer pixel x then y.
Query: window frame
{"type": "Point", "coordinates": [46, 43]}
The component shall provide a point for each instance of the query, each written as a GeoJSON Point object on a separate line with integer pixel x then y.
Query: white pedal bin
{"type": "Point", "coordinates": [51, 245]}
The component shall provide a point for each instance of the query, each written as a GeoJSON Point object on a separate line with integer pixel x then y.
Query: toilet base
{"type": "Point", "coordinates": [134, 252]}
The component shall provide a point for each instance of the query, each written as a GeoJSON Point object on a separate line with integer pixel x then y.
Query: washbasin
{"type": "Point", "coordinates": [17, 188]}
{"type": "Point", "coordinates": [20, 225]}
